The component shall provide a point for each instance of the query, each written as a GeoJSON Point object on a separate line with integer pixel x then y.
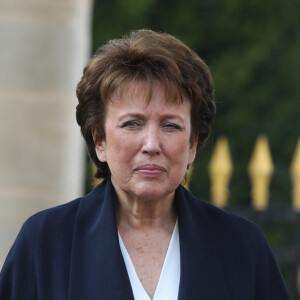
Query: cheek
{"type": "Point", "coordinates": [120, 148]}
{"type": "Point", "coordinates": [179, 150]}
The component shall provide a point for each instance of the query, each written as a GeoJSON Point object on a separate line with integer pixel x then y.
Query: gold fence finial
{"type": "Point", "coordinates": [220, 171]}
{"type": "Point", "coordinates": [295, 175]}
{"type": "Point", "coordinates": [260, 170]}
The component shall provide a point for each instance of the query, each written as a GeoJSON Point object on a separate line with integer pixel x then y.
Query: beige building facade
{"type": "Point", "coordinates": [44, 47]}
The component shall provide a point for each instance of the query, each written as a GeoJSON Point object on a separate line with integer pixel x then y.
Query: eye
{"type": "Point", "coordinates": [172, 127]}
{"type": "Point", "coordinates": [132, 124]}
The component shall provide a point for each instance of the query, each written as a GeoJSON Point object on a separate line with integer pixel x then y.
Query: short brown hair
{"type": "Point", "coordinates": [143, 56]}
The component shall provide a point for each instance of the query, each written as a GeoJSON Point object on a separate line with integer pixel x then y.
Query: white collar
{"type": "Point", "coordinates": [168, 283]}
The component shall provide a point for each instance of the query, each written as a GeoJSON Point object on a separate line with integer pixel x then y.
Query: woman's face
{"type": "Point", "coordinates": [147, 145]}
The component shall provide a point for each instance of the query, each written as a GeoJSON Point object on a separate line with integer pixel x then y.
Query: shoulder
{"type": "Point", "coordinates": [59, 221]}
{"type": "Point", "coordinates": [45, 238]}
{"type": "Point", "coordinates": [247, 259]}
{"type": "Point", "coordinates": [42, 231]}
{"type": "Point", "coordinates": [56, 216]}
{"type": "Point", "coordinates": [228, 228]}
{"type": "Point", "coordinates": [42, 249]}
{"type": "Point", "coordinates": [228, 223]}
{"type": "Point", "coordinates": [51, 228]}
{"type": "Point", "coordinates": [243, 246]}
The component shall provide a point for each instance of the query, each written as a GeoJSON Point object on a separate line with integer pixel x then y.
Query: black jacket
{"type": "Point", "coordinates": [72, 252]}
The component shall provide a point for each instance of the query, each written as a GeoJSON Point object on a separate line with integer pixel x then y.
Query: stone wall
{"type": "Point", "coordinates": [44, 46]}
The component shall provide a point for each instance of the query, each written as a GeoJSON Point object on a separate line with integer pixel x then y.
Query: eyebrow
{"type": "Point", "coordinates": [141, 116]}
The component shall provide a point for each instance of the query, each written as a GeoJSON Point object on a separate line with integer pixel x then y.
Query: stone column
{"type": "Point", "coordinates": [44, 47]}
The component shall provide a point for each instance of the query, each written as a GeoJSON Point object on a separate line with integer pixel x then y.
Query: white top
{"type": "Point", "coordinates": [168, 283]}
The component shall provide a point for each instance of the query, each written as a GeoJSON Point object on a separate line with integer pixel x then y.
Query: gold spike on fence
{"type": "Point", "coordinates": [295, 174]}
{"type": "Point", "coordinates": [260, 170]}
{"type": "Point", "coordinates": [220, 171]}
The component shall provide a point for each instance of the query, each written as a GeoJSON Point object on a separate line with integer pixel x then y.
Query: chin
{"type": "Point", "coordinates": [153, 191]}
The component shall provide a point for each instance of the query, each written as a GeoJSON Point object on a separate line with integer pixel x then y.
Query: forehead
{"type": "Point", "coordinates": [143, 93]}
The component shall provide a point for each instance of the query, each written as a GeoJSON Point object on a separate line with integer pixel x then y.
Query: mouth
{"type": "Point", "coordinates": [150, 170]}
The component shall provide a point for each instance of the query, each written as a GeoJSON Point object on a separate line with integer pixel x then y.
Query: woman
{"type": "Point", "coordinates": [146, 104]}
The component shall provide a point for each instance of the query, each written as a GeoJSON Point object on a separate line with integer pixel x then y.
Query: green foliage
{"type": "Point", "coordinates": [279, 233]}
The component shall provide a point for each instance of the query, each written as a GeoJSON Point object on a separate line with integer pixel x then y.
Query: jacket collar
{"type": "Point", "coordinates": [202, 275]}
{"type": "Point", "coordinates": [98, 270]}
{"type": "Point", "coordinates": [97, 267]}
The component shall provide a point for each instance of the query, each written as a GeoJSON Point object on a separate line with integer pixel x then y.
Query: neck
{"type": "Point", "coordinates": [136, 213]}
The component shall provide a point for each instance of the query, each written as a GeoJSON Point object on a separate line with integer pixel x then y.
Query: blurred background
{"type": "Point", "coordinates": [253, 50]}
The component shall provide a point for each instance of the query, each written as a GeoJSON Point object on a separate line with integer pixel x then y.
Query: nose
{"type": "Point", "coordinates": [152, 142]}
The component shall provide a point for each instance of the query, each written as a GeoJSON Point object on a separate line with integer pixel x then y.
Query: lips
{"type": "Point", "coordinates": [150, 170]}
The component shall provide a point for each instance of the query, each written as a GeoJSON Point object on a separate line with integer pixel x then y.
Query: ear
{"type": "Point", "coordinates": [193, 149]}
{"type": "Point", "coordinates": [100, 146]}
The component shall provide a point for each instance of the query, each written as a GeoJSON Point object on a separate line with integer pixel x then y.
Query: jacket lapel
{"type": "Point", "coordinates": [202, 275]}
{"type": "Point", "coordinates": [97, 268]}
